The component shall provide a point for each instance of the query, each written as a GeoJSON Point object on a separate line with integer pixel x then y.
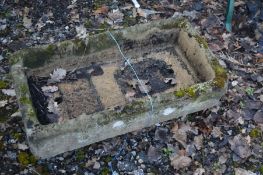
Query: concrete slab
{"type": "Point", "coordinates": [97, 108]}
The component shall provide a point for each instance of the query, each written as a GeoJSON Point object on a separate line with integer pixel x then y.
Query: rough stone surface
{"type": "Point", "coordinates": [174, 35]}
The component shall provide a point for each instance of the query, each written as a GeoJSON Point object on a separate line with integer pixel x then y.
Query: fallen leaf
{"type": "Point", "coordinates": [22, 146]}
{"type": "Point", "coordinates": [102, 10]}
{"type": "Point", "coordinates": [3, 103]}
{"type": "Point", "coordinates": [53, 106]}
{"type": "Point", "coordinates": [130, 94]}
{"type": "Point", "coordinates": [154, 154]}
{"type": "Point", "coordinates": [179, 162]}
{"type": "Point", "coordinates": [49, 89]}
{"type": "Point", "coordinates": [116, 16]}
{"type": "Point", "coordinates": [146, 12]}
{"type": "Point", "coordinates": [81, 32]}
{"type": "Point", "coordinates": [199, 171]}
{"type": "Point", "coordinates": [9, 92]}
{"type": "Point", "coordinates": [90, 162]}
{"type": "Point", "coordinates": [27, 22]}
{"type": "Point", "coordinates": [57, 75]}
{"type": "Point", "coordinates": [198, 142]}
{"type": "Point", "coordinates": [180, 133]}
{"type": "Point", "coordinates": [258, 117]}
{"type": "Point", "coordinates": [240, 171]}
{"type": "Point", "coordinates": [239, 145]}
{"type": "Point", "coordinates": [144, 88]}
{"type": "Point", "coordinates": [132, 83]}
{"type": "Point", "coordinates": [216, 132]}
{"type": "Point", "coordinates": [171, 81]}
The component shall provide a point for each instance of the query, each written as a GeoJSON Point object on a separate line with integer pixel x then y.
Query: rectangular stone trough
{"type": "Point", "coordinates": [105, 101]}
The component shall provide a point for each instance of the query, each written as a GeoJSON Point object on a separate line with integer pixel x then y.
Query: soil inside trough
{"type": "Point", "coordinates": [155, 75]}
{"type": "Point", "coordinates": [75, 95]}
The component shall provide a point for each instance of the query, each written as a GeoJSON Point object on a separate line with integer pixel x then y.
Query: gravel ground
{"type": "Point", "coordinates": [227, 139]}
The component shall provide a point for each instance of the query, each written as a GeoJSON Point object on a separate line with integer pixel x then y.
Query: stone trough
{"type": "Point", "coordinates": [98, 107]}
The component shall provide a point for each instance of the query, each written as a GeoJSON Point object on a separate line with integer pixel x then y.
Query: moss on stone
{"type": "Point", "coordinates": [24, 100]}
{"type": "Point", "coordinates": [220, 74]}
{"type": "Point", "coordinates": [37, 57]}
{"type": "Point", "coordinates": [129, 21]}
{"type": "Point", "coordinates": [14, 59]}
{"type": "Point", "coordinates": [17, 136]}
{"type": "Point", "coordinates": [3, 84]}
{"type": "Point", "coordinates": [255, 133]}
{"type": "Point", "coordinates": [26, 158]}
{"type": "Point", "coordinates": [134, 108]}
{"type": "Point", "coordinates": [179, 23]}
{"type": "Point", "coordinates": [180, 93]}
{"type": "Point", "coordinates": [201, 41]}
{"type": "Point", "coordinates": [88, 23]}
{"type": "Point", "coordinates": [80, 47]}
{"type": "Point", "coordinates": [190, 91]}
{"type": "Point", "coordinates": [128, 111]}
{"type": "Point", "coordinates": [23, 89]}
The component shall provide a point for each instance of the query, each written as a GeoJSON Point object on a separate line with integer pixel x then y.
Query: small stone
{"type": "Point", "coordinates": [22, 146]}
{"type": "Point", "coordinates": [140, 161]}
{"type": "Point", "coordinates": [9, 92]}
{"type": "Point", "coordinates": [143, 166]}
{"type": "Point", "coordinates": [96, 166]}
{"type": "Point", "coordinates": [3, 103]}
{"type": "Point", "coordinates": [234, 83]}
{"type": "Point", "coordinates": [138, 172]}
{"type": "Point", "coordinates": [16, 114]}
{"type": "Point", "coordinates": [222, 159]}
{"type": "Point", "coordinates": [199, 171]}
{"type": "Point", "coordinates": [153, 154]}
{"type": "Point", "coordinates": [240, 146]}
{"type": "Point", "coordinates": [258, 117]}
{"type": "Point", "coordinates": [222, 63]}
{"type": "Point", "coordinates": [1, 57]}
{"type": "Point", "coordinates": [240, 171]}
{"type": "Point", "coordinates": [161, 134]}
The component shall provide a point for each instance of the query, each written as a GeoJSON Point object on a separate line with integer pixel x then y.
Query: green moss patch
{"type": "Point", "coordinates": [201, 41]}
{"type": "Point", "coordinates": [3, 84]}
{"type": "Point", "coordinates": [190, 91]}
{"type": "Point", "coordinates": [38, 57]}
{"type": "Point", "coordinates": [255, 133]}
{"type": "Point", "coordinates": [180, 23]}
{"type": "Point", "coordinates": [220, 74]}
{"type": "Point", "coordinates": [25, 158]}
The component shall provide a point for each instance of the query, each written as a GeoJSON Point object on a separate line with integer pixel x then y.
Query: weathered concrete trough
{"type": "Point", "coordinates": [98, 107]}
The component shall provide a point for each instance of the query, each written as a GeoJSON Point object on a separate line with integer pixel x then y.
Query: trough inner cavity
{"type": "Point", "coordinates": [85, 84]}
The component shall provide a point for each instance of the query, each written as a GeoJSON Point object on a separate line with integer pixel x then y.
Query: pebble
{"type": "Point", "coordinates": [22, 146]}
{"type": "Point", "coordinates": [143, 166]}
{"type": "Point", "coordinates": [1, 57]}
{"type": "Point", "coordinates": [140, 161]}
{"type": "Point", "coordinates": [96, 166]}
{"type": "Point", "coordinates": [234, 83]}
